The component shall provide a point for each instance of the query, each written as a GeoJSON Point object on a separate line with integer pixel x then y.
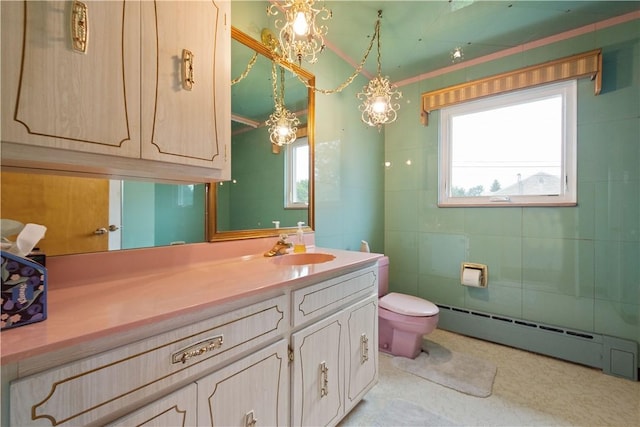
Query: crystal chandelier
{"type": "Point", "coordinates": [282, 123]}
{"type": "Point", "coordinates": [379, 95]}
{"type": "Point", "coordinates": [300, 37]}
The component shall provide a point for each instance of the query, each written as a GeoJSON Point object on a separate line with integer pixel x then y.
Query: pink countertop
{"type": "Point", "coordinates": [112, 303]}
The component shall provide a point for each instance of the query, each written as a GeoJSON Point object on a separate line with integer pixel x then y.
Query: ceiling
{"type": "Point", "coordinates": [417, 37]}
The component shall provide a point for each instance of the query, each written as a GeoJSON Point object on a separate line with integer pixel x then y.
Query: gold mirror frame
{"type": "Point", "coordinates": [212, 229]}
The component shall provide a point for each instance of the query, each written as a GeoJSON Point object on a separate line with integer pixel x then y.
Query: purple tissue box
{"type": "Point", "coordinates": [24, 291]}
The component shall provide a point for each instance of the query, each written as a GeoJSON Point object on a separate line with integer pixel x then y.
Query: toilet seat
{"type": "Point", "coordinates": [408, 305]}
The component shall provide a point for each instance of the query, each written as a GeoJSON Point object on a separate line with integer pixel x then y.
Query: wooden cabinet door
{"type": "Point", "coordinates": [318, 373]}
{"type": "Point", "coordinates": [361, 350]}
{"type": "Point", "coordinates": [186, 122]}
{"type": "Point", "coordinates": [58, 97]}
{"type": "Point", "coordinates": [252, 391]}
{"type": "Point", "coordinates": [178, 409]}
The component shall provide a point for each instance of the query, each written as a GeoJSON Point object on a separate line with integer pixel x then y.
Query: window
{"type": "Point", "coordinates": [296, 177]}
{"type": "Point", "coordinates": [515, 149]}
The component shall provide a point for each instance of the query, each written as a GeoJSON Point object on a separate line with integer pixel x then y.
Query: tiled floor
{"type": "Point", "coordinates": [529, 390]}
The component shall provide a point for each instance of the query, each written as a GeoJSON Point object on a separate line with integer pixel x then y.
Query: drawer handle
{"type": "Point", "coordinates": [197, 349]}
{"type": "Point", "coordinates": [324, 379]}
{"type": "Point", "coordinates": [187, 69]}
{"type": "Point", "coordinates": [79, 26]}
{"type": "Point", "coordinates": [364, 348]}
{"type": "Point", "coordinates": [250, 420]}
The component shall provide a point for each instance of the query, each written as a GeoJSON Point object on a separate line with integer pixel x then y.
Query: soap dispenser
{"type": "Point", "coordinates": [299, 245]}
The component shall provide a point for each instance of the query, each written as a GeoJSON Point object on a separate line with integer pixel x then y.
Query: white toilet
{"type": "Point", "coordinates": [402, 319]}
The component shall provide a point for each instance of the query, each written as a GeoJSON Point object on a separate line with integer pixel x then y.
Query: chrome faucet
{"type": "Point", "coordinates": [280, 248]}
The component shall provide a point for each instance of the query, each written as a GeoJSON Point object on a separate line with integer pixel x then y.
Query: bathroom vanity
{"type": "Point", "coordinates": [247, 341]}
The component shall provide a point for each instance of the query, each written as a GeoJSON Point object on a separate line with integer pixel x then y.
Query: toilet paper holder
{"type": "Point", "coordinates": [484, 272]}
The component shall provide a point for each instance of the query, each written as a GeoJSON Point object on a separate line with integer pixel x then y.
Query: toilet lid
{"type": "Point", "coordinates": [408, 305]}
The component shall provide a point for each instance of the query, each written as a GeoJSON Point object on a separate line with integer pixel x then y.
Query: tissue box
{"type": "Point", "coordinates": [24, 291]}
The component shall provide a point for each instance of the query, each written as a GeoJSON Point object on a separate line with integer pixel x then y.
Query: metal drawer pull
{"type": "Point", "coordinates": [197, 349]}
{"type": "Point", "coordinates": [364, 348]}
{"type": "Point", "coordinates": [79, 26]}
{"type": "Point", "coordinates": [187, 69]}
{"type": "Point", "coordinates": [324, 379]}
{"type": "Point", "coordinates": [249, 419]}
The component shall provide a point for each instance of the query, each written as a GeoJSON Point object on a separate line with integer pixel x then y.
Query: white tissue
{"type": "Point", "coordinates": [472, 277]}
{"type": "Point", "coordinates": [27, 239]}
{"type": "Point", "coordinates": [9, 227]}
{"type": "Point", "coordinates": [364, 246]}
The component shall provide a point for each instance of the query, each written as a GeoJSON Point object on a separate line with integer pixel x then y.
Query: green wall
{"type": "Point", "coordinates": [255, 195]}
{"type": "Point", "coordinates": [576, 267]}
{"type": "Point", "coordinates": [160, 214]}
{"type": "Point", "coordinates": [349, 174]}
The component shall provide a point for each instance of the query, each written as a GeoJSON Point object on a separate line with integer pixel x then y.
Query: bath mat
{"type": "Point", "coordinates": [458, 371]}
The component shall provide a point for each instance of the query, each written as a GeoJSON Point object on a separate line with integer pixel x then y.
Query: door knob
{"type": "Point", "coordinates": [103, 230]}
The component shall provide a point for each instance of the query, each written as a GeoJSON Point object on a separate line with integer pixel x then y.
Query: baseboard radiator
{"type": "Point", "coordinates": [615, 356]}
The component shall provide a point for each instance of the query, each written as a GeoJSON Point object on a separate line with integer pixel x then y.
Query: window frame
{"type": "Point", "coordinates": [568, 194]}
{"type": "Point", "coordinates": [289, 177]}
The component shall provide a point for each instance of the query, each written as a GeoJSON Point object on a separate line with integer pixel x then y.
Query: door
{"type": "Point", "coordinates": [185, 82]}
{"type": "Point", "coordinates": [251, 392]}
{"type": "Point", "coordinates": [176, 409]}
{"type": "Point", "coordinates": [318, 368]}
{"type": "Point", "coordinates": [60, 203]}
{"type": "Point", "coordinates": [362, 350]}
{"type": "Point", "coordinates": [70, 75]}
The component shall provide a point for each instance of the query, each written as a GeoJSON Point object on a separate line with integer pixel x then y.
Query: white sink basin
{"type": "Point", "coordinates": [303, 259]}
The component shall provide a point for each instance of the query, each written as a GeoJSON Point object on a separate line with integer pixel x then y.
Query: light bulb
{"type": "Point", "coordinates": [300, 24]}
{"type": "Point", "coordinates": [379, 105]}
{"type": "Point", "coordinates": [283, 130]}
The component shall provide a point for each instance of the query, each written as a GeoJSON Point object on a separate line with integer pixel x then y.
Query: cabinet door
{"type": "Point", "coordinates": [176, 409]}
{"type": "Point", "coordinates": [186, 109]}
{"type": "Point", "coordinates": [362, 350]}
{"type": "Point", "coordinates": [252, 391]}
{"type": "Point", "coordinates": [56, 96]}
{"type": "Point", "coordinates": [318, 373]}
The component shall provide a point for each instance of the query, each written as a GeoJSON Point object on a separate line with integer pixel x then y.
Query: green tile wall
{"type": "Point", "coordinates": [575, 267]}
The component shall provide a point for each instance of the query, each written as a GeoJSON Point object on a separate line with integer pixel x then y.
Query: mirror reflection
{"type": "Point", "coordinates": [271, 186]}
{"type": "Point", "coordinates": [93, 214]}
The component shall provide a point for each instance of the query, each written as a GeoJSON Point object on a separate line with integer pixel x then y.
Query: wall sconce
{"type": "Point", "coordinates": [282, 123]}
{"type": "Point", "coordinates": [300, 36]}
{"type": "Point", "coordinates": [379, 95]}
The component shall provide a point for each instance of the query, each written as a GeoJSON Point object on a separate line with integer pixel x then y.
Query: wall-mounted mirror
{"type": "Point", "coordinates": [269, 188]}
{"type": "Point", "coordinates": [146, 214]}
{"type": "Point", "coordinates": [97, 214]}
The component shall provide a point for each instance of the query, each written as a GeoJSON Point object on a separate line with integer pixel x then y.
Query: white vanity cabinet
{"type": "Point", "coordinates": [303, 356]}
{"type": "Point", "coordinates": [99, 388]}
{"type": "Point", "coordinates": [252, 392]}
{"type": "Point", "coordinates": [129, 88]}
{"type": "Point", "coordinates": [176, 409]}
{"type": "Point", "coordinates": [335, 357]}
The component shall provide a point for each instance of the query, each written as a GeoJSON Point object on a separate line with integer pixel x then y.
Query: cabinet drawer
{"type": "Point", "coordinates": [87, 391]}
{"type": "Point", "coordinates": [317, 300]}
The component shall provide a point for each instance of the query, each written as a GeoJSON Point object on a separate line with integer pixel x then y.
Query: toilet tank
{"type": "Point", "coordinates": [383, 276]}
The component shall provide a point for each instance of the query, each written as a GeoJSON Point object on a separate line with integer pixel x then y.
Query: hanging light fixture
{"type": "Point", "coordinates": [282, 123]}
{"type": "Point", "coordinates": [300, 37]}
{"type": "Point", "coordinates": [378, 97]}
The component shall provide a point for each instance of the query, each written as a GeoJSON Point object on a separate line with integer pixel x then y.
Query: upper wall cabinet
{"type": "Point", "coordinates": [119, 88]}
